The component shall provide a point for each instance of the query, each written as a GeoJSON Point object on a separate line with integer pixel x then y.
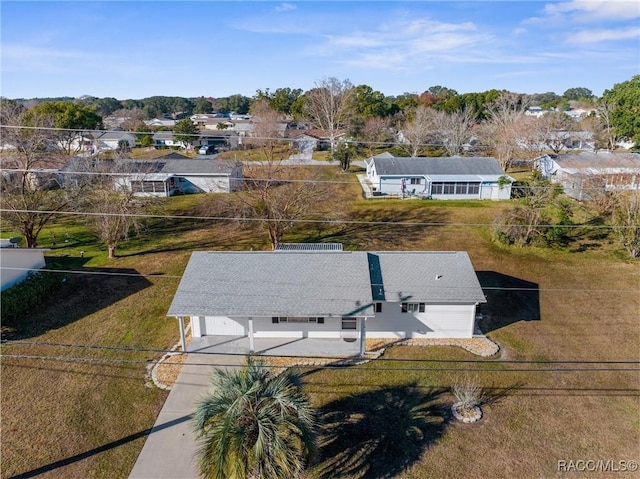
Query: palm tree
{"type": "Point", "coordinates": [254, 424]}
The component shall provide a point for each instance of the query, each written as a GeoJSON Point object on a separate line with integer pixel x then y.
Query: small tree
{"type": "Point", "coordinates": [186, 132]}
{"type": "Point", "coordinates": [626, 216]}
{"type": "Point", "coordinates": [113, 209]}
{"type": "Point", "coordinates": [343, 154]}
{"type": "Point", "coordinates": [254, 424]}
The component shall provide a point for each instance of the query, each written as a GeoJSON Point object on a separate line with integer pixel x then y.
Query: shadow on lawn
{"type": "Point", "coordinates": [378, 434]}
{"type": "Point", "coordinates": [509, 300]}
{"type": "Point", "coordinates": [82, 291]}
{"type": "Point", "coordinates": [97, 450]}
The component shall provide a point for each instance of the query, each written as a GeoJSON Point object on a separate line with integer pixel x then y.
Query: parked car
{"type": "Point", "coordinates": [206, 150]}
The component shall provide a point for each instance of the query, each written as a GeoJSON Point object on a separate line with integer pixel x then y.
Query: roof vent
{"type": "Point", "coordinates": [438, 277]}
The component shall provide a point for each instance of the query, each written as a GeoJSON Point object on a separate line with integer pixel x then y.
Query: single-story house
{"type": "Point", "coordinates": [18, 263]}
{"type": "Point", "coordinates": [305, 141]}
{"type": "Point", "coordinates": [581, 172]}
{"type": "Point", "coordinates": [328, 294]}
{"type": "Point", "coordinates": [112, 140]}
{"type": "Point", "coordinates": [164, 139]}
{"type": "Point", "coordinates": [446, 178]}
{"type": "Point", "coordinates": [170, 177]}
{"type": "Point", "coordinates": [165, 176]}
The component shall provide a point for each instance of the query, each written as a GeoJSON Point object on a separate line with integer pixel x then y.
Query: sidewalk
{"type": "Point", "coordinates": [170, 448]}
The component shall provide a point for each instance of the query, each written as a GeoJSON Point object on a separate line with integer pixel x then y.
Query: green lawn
{"type": "Point", "coordinates": [81, 419]}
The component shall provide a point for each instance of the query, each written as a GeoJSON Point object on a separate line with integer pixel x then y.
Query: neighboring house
{"type": "Point", "coordinates": [329, 294]}
{"type": "Point", "coordinates": [221, 139]}
{"type": "Point", "coordinates": [446, 178]}
{"type": "Point", "coordinates": [170, 177]}
{"type": "Point", "coordinates": [581, 172]}
{"type": "Point", "coordinates": [165, 139]}
{"type": "Point", "coordinates": [160, 122]}
{"type": "Point", "coordinates": [308, 140]}
{"type": "Point", "coordinates": [160, 177]}
{"type": "Point", "coordinates": [112, 140]}
{"type": "Point", "coordinates": [16, 264]}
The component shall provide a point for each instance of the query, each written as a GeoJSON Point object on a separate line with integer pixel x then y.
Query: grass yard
{"type": "Point", "coordinates": [88, 420]}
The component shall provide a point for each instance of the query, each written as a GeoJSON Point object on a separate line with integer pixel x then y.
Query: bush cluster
{"type": "Point", "coordinates": [22, 298]}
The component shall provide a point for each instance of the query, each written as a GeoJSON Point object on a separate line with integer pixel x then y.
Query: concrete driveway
{"type": "Point", "coordinates": [170, 448]}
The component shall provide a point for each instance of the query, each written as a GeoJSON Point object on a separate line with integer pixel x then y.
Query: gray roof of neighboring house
{"type": "Point", "coordinates": [182, 167]}
{"type": "Point", "coordinates": [320, 283]}
{"type": "Point", "coordinates": [168, 166]}
{"type": "Point", "coordinates": [601, 160]}
{"type": "Point", "coordinates": [396, 166]}
{"type": "Point", "coordinates": [115, 135]}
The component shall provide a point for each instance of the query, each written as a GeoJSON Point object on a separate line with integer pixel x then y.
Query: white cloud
{"type": "Point", "coordinates": [595, 10]}
{"type": "Point", "coordinates": [285, 7]}
{"type": "Point", "coordinates": [594, 36]}
{"type": "Point", "coordinates": [401, 44]}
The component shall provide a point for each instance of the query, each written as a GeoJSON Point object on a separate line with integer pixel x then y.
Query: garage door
{"type": "Point", "coordinates": [222, 326]}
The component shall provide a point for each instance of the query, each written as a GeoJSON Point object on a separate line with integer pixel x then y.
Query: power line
{"type": "Point", "coordinates": [284, 283]}
{"type": "Point", "coordinates": [382, 359]}
{"type": "Point", "coordinates": [200, 134]}
{"type": "Point", "coordinates": [344, 366]}
{"type": "Point", "coordinates": [313, 221]}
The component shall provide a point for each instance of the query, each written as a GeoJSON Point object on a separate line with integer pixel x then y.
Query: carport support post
{"type": "Point", "coordinates": [251, 348]}
{"type": "Point", "coordinates": [363, 335]}
{"type": "Point", "coordinates": [183, 339]}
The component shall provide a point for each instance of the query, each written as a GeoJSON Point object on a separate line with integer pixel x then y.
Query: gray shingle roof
{"type": "Point", "coordinates": [274, 284]}
{"type": "Point", "coordinates": [437, 166]}
{"type": "Point", "coordinates": [411, 277]}
{"type": "Point", "coordinates": [320, 283]}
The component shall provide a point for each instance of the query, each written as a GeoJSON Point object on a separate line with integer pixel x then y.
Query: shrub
{"type": "Point", "coordinates": [22, 298]}
{"type": "Point", "coordinates": [468, 392]}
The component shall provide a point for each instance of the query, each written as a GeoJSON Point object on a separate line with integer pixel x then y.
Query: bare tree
{"type": "Point", "coordinates": [279, 196]}
{"type": "Point", "coordinates": [328, 105]}
{"type": "Point", "coordinates": [376, 133]}
{"type": "Point", "coordinates": [626, 216]}
{"type": "Point", "coordinates": [605, 132]}
{"type": "Point", "coordinates": [505, 126]}
{"type": "Point", "coordinates": [418, 130]}
{"type": "Point", "coordinates": [268, 130]}
{"type": "Point", "coordinates": [454, 129]}
{"type": "Point", "coordinates": [31, 195]}
{"type": "Point", "coordinates": [112, 205]}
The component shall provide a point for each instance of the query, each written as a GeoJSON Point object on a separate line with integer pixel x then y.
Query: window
{"type": "Point", "coordinates": [474, 188]}
{"type": "Point", "coordinates": [297, 319]}
{"type": "Point", "coordinates": [349, 323]}
{"type": "Point", "coordinates": [455, 188]}
{"type": "Point", "coordinates": [436, 188]}
{"type": "Point", "coordinates": [449, 189]}
{"type": "Point", "coordinates": [378, 307]}
{"type": "Point", "coordinates": [461, 188]}
{"type": "Point", "coordinates": [416, 181]}
{"type": "Point", "coordinates": [412, 307]}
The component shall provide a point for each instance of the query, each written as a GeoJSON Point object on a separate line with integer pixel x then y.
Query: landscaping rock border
{"type": "Point", "coordinates": [467, 420]}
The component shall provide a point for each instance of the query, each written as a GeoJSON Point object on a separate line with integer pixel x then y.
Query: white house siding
{"type": "Point", "coordinates": [206, 184]}
{"type": "Point", "coordinates": [25, 260]}
{"type": "Point", "coordinates": [265, 328]}
{"type": "Point", "coordinates": [438, 321]}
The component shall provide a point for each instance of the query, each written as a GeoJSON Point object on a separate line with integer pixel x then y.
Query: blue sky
{"type": "Point", "coordinates": [217, 48]}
